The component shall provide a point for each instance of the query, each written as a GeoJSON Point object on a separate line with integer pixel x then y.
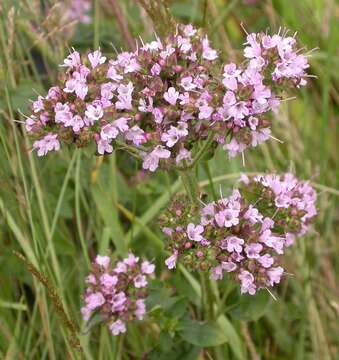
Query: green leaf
{"type": "Point", "coordinates": [234, 339]}
{"type": "Point", "coordinates": [202, 334]}
{"type": "Point", "coordinates": [252, 308]}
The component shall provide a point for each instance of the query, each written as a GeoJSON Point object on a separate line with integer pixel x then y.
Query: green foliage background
{"type": "Point", "coordinates": [61, 210]}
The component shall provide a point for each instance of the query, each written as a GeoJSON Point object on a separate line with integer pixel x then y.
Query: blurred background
{"type": "Point", "coordinates": [61, 210]}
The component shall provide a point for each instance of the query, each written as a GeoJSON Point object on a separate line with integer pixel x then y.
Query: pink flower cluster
{"type": "Point", "coordinates": [273, 65]}
{"type": "Point", "coordinates": [117, 292]}
{"type": "Point", "coordinates": [243, 234]}
{"type": "Point", "coordinates": [167, 97]}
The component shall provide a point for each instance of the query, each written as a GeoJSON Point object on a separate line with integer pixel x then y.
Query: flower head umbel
{"type": "Point", "coordinates": [117, 291]}
{"type": "Point", "coordinates": [273, 65]}
{"type": "Point", "coordinates": [243, 234]}
{"type": "Point", "coordinates": [173, 94]}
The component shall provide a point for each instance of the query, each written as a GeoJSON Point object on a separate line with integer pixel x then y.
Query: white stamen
{"type": "Point", "coordinates": [243, 27]}
{"type": "Point", "coordinates": [201, 201]}
{"type": "Point", "coordinates": [221, 194]}
{"type": "Point", "coordinates": [22, 114]}
{"type": "Point", "coordinates": [275, 213]}
{"type": "Point", "coordinates": [274, 138]}
{"type": "Point", "coordinates": [288, 99]}
{"type": "Point", "coordinates": [270, 292]}
{"type": "Point", "coordinates": [142, 41]}
{"type": "Point", "coordinates": [243, 158]}
{"type": "Point", "coordinates": [114, 48]}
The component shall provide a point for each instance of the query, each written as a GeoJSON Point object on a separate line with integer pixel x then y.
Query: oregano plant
{"type": "Point", "coordinates": [170, 104]}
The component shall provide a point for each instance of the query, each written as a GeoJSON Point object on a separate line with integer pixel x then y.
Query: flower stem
{"type": "Point", "coordinates": [210, 180]}
{"type": "Point", "coordinates": [201, 152]}
{"type": "Point", "coordinates": [119, 347]}
{"type": "Point", "coordinates": [189, 180]}
{"type": "Point", "coordinates": [207, 296]}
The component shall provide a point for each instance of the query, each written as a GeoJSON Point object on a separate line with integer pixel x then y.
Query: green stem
{"type": "Point", "coordinates": [210, 180]}
{"type": "Point", "coordinates": [119, 346]}
{"type": "Point", "coordinates": [207, 296]}
{"type": "Point", "coordinates": [189, 180]}
{"type": "Point", "coordinates": [201, 152]}
{"type": "Point", "coordinates": [96, 24]}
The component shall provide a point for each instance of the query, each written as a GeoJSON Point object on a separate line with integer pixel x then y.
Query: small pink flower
{"type": "Point", "coordinates": [131, 260]}
{"type": "Point", "coordinates": [208, 53]}
{"type": "Point", "coordinates": [140, 281]}
{"type": "Point", "coordinates": [107, 89]}
{"type": "Point", "coordinates": [230, 76]}
{"type": "Point", "coordinates": [38, 105]}
{"type": "Point", "coordinates": [103, 146]}
{"type": "Point", "coordinates": [266, 260]}
{"type": "Point", "coordinates": [121, 268]}
{"type": "Point", "coordinates": [228, 266]}
{"type": "Point", "coordinates": [247, 282]}
{"type": "Point", "coordinates": [77, 123]}
{"type": "Point", "coordinates": [184, 154]}
{"type": "Point", "coordinates": [141, 309]}
{"type": "Point", "coordinates": [48, 143]}
{"type": "Point", "coordinates": [94, 300]}
{"type": "Point", "coordinates": [187, 83]}
{"type": "Point", "coordinates": [108, 281]}
{"type": "Point", "coordinates": [217, 273]}
{"type": "Point", "coordinates": [234, 244]}
{"type": "Point", "coordinates": [113, 74]}
{"type": "Point", "coordinates": [171, 261]}
{"type": "Point", "coordinates": [205, 112]}
{"type": "Point", "coordinates": [118, 327]}
{"type": "Point", "coordinates": [109, 132]}
{"type": "Point", "coordinates": [94, 112]}
{"type": "Point", "coordinates": [54, 93]}
{"type": "Point", "coordinates": [136, 135]}
{"type": "Point", "coordinates": [72, 60]}
{"type": "Point", "coordinates": [171, 137]}
{"type": "Point", "coordinates": [96, 58]}
{"type": "Point", "coordinates": [156, 69]}
{"type": "Point", "coordinates": [121, 124]}
{"type": "Point", "coordinates": [147, 267]}
{"type": "Point", "coordinates": [253, 250]}
{"type": "Point", "coordinates": [103, 261]}
{"type": "Point", "coordinates": [86, 313]}
{"type": "Point", "coordinates": [118, 301]}
{"type": "Point", "coordinates": [194, 232]}
{"type": "Point", "coordinates": [151, 161]}
{"type": "Point", "coordinates": [158, 115]}
{"type": "Point", "coordinates": [253, 215]}
{"type": "Point", "coordinates": [125, 96]}
{"type": "Point", "coordinates": [70, 86]}
{"type": "Point", "coordinates": [171, 95]}
{"type": "Point", "coordinates": [275, 275]}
